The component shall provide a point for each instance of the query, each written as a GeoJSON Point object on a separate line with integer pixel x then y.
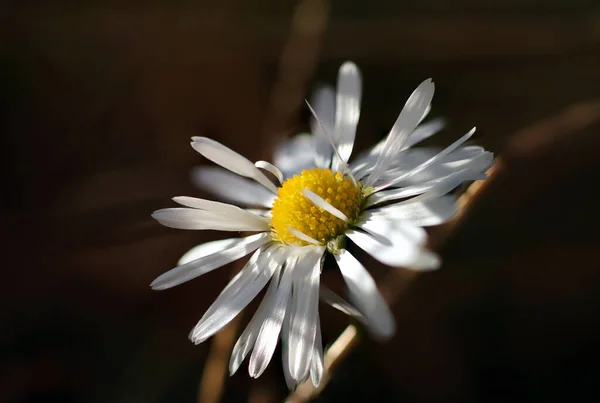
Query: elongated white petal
{"type": "Point", "coordinates": [464, 153]}
{"type": "Point", "coordinates": [285, 350]}
{"type": "Point", "coordinates": [393, 230]}
{"type": "Point", "coordinates": [409, 118]}
{"type": "Point", "coordinates": [400, 253]}
{"type": "Point", "coordinates": [441, 189]}
{"type": "Point", "coordinates": [365, 295]}
{"type": "Point", "coordinates": [429, 162]}
{"type": "Point", "coordinates": [227, 158]}
{"type": "Point", "coordinates": [426, 113]}
{"type": "Point", "coordinates": [231, 187]}
{"type": "Point", "coordinates": [340, 304]}
{"type": "Point", "coordinates": [422, 214]}
{"type": "Point", "coordinates": [208, 205]}
{"type": "Point", "coordinates": [296, 154]}
{"type": "Point", "coordinates": [208, 257]}
{"type": "Point", "coordinates": [267, 166]}
{"type": "Point", "coordinates": [439, 186]}
{"type": "Point", "coordinates": [458, 160]}
{"type": "Point", "coordinates": [246, 341]}
{"type": "Point", "coordinates": [343, 165]}
{"type": "Point", "coordinates": [439, 163]}
{"type": "Point", "coordinates": [347, 113]}
{"type": "Point", "coordinates": [271, 326]}
{"type": "Point", "coordinates": [316, 364]}
{"type": "Point", "coordinates": [236, 293]}
{"type": "Point", "coordinates": [301, 235]}
{"type": "Point", "coordinates": [304, 313]}
{"type": "Point", "coordinates": [404, 162]}
{"type": "Point", "coordinates": [424, 131]}
{"type": "Point", "coordinates": [260, 212]}
{"type": "Point", "coordinates": [399, 193]}
{"type": "Point", "coordinates": [189, 218]}
{"type": "Point", "coordinates": [321, 203]}
{"type": "Point", "coordinates": [207, 248]}
{"type": "Point", "coordinates": [479, 161]}
{"type": "Point", "coordinates": [224, 209]}
{"type": "Point", "coordinates": [323, 102]}
{"type": "Point", "coordinates": [239, 292]}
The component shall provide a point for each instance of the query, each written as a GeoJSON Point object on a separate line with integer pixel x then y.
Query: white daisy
{"type": "Point", "coordinates": [380, 202]}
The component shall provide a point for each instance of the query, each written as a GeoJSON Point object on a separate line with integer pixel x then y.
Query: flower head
{"type": "Point", "coordinates": [381, 202]}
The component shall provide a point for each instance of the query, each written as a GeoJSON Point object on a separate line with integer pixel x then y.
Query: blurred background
{"type": "Point", "coordinates": [99, 100]}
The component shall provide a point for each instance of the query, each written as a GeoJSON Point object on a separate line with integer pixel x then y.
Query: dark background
{"type": "Point", "coordinates": [99, 100]}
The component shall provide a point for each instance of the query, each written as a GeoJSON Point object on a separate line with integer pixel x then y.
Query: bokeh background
{"type": "Point", "coordinates": [99, 100]}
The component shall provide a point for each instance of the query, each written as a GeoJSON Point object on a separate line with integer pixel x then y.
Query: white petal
{"type": "Point", "coordinates": [239, 292]}
{"type": "Point", "coordinates": [421, 133]}
{"type": "Point", "coordinates": [340, 304]}
{"type": "Point", "coordinates": [443, 188]}
{"type": "Point", "coordinates": [209, 256]}
{"type": "Point", "coordinates": [267, 166]}
{"type": "Point", "coordinates": [224, 209]}
{"type": "Point", "coordinates": [207, 248]}
{"type": "Point", "coordinates": [347, 113]}
{"type": "Point", "coordinates": [294, 155]}
{"type": "Point", "coordinates": [285, 350]}
{"type": "Point", "coordinates": [439, 186]}
{"type": "Point", "coordinates": [424, 131]}
{"type": "Point", "coordinates": [426, 113]}
{"type": "Point", "coordinates": [399, 193]}
{"type": "Point", "coordinates": [402, 163]}
{"type": "Point", "coordinates": [316, 364]}
{"type": "Point", "coordinates": [397, 252]}
{"type": "Point", "coordinates": [304, 313]}
{"type": "Point", "coordinates": [429, 162]}
{"type": "Point", "coordinates": [227, 158]}
{"type": "Point", "coordinates": [456, 161]}
{"type": "Point", "coordinates": [189, 218]}
{"type": "Point", "coordinates": [476, 160]}
{"type": "Point", "coordinates": [261, 212]}
{"type": "Point", "coordinates": [323, 102]}
{"type": "Point", "coordinates": [246, 341]}
{"type": "Point", "coordinates": [271, 326]}
{"type": "Point", "coordinates": [365, 295]}
{"type": "Point", "coordinates": [407, 121]}
{"type": "Point", "coordinates": [466, 152]}
{"type": "Point", "coordinates": [422, 214]}
{"type": "Point", "coordinates": [321, 203]}
{"type": "Point", "coordinates": [231, 187]}
{"type": "Point", "coordinates": [391, 229]}
{"type": "Point", "coordinates": [301, 235]}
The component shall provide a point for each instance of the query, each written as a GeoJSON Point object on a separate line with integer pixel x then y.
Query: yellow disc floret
{"type": "Point", "coordinates": [292, 209]}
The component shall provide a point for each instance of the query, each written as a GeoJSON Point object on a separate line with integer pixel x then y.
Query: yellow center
{"type": "Point", "coordinates": [292, 209]}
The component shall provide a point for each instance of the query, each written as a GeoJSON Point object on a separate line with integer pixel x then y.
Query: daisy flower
{"type": "Point", "coordinates": [309, 204]}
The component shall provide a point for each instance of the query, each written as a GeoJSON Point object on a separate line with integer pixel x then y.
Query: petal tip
{"type": "Point", "coordinates": [348, 66]}
{"type": "Point", "coordinates": [155, 285]}
{"type": "Point", "coordinates": [429, 262]}
{"type": "Point", "coordinates": [194, 338]}
{"type": "Point", "coordinates": [383, 335]}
